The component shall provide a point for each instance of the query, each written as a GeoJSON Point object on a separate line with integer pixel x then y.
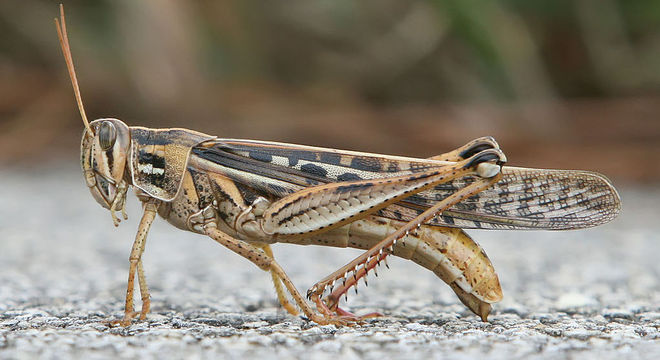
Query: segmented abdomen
{"type": "Point", "coordinates": [448, 252]}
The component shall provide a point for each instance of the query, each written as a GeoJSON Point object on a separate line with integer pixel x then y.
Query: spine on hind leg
{"type": "Point", "coordinates": [448, 252]}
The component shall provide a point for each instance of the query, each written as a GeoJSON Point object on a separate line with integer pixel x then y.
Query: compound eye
{"type": "Point", "coordinates": [107, 135]}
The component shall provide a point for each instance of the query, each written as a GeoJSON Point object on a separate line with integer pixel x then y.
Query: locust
{"type": "Point", "coordinates": [249, 194]}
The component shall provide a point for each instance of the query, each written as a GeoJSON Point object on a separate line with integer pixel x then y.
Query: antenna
{"type": "Point", "coordinates": [66, 50]}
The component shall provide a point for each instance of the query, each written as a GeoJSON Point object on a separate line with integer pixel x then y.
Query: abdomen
{"type": "Point", "coordinates": [448, 252]}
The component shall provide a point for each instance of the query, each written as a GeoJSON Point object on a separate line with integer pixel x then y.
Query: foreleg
{"type": "Point", "coordinates": [135, 259]}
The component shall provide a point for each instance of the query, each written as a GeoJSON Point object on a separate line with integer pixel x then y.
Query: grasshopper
{"type": "Point", "coordinates": [248, 194]}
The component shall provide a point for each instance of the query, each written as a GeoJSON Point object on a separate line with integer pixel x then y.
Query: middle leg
{"type": "Point", "coordinates": [277, 282]}
{"type": "Point", "coordinates": [267, 263]}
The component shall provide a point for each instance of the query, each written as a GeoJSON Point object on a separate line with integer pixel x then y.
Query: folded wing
{"type": "Point", "coordinates": [523, 199]}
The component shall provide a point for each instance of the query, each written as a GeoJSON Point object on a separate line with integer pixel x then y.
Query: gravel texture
{"type": "Point", "coordinates": [591, 294]}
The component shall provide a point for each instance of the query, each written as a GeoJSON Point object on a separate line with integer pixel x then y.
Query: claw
{"type": "Point", "coordinates": [126, 320]}
{"type": "Point", "coordinates": [337, 316]}
{"type": "Point", "coordinates": [115, 219]}
{"type": "Point", "coordinates": [357, 318]}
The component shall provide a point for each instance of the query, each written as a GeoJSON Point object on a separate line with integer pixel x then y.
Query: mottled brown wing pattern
{"type": "Point", "coordinates": [523, 199]}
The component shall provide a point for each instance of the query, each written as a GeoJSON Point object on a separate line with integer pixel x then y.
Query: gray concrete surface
{"type": "Point", "coordinates": [591, 294]}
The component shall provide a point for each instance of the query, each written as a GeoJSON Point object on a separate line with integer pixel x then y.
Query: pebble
{"type": "Point", "coordinates": [574, 300]}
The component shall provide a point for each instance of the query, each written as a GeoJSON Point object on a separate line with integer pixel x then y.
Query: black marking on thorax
{"type": "Point", "coordinates": [152, 167]}
{"type": "Point", "coordinates": [156, 161]}
{"type": "Point", "coordinates": [150, 137]}
{"type": "Point", "coordinates": [156, 179]}
{"type": "Point", "coordinates": [202, 187]}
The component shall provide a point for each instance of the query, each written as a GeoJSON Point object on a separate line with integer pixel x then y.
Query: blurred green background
{"type": "Point", "coordinates": [560, 84]}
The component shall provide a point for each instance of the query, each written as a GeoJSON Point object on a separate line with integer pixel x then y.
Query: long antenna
{"type": "Point", "coordinates": [66, 50]}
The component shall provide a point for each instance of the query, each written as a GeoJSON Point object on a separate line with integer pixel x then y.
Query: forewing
{"type": "Point", "coordinates": [269, 165]}
{"type": "Point", "coordinates": [523, 199]}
